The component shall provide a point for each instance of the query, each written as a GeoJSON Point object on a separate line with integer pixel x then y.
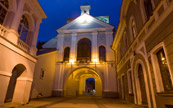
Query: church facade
{"type": "Point", "coordinates": [19, 27]}
{"type": "Point", "coordinates": [144, 55]}
{"type": "Point", "coordinates": [80, 51]}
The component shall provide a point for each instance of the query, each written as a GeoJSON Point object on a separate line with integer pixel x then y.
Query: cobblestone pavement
{"type": "Point", "coordinates": [73, 102]}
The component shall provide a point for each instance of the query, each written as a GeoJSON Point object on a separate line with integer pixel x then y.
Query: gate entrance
{"type": "Point", "coordinates": [82, 82]}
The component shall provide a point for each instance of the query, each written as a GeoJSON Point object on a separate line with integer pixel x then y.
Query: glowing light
{"type": "Point", "coordinates": [95, 60]}
{"type": "Point", "coordinates": [163, 59]}
{"type": "Point", "coordinates": [72, 61]}
{"type": "Point", "coordinates": [85, 19]}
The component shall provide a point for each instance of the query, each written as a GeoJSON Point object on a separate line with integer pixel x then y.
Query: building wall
{"type": "Point", "coordinates": [152, 34]}
{"type": "Point", "coordinates": [42, 86]}
{"type": "Point", "coordinates": [17, 56]}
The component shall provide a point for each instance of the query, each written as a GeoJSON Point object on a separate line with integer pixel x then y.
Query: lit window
{"type": "Point", "coordinates": [102, 53]}
{"type": "Point", "coordinates": [3, 10]}
{"type": "Point", "coordinates": [23, 28]}
{"type": "Point", "coordinates": [84, 51]}
{"type": "Point", "coordinates": [133, 26]}
{"type": "Point", "coordinates": [66, 54]}
{"type": "Point", "coordinates": [166, 78]}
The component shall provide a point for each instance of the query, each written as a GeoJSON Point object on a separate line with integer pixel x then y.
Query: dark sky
{"type": "Point", "coordinates": [59, 10]}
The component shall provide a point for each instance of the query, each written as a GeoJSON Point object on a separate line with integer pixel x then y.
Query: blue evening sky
{"type": "Point", "coordinates": [59, 10]}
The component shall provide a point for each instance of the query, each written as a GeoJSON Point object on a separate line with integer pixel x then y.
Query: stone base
{"type": "Point", "coordinates": [110, 94]}
{"type": "Point", "coordinates": [58, 93]}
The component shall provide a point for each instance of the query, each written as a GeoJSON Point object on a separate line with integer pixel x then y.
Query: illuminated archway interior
{"type": "Point", "coordinates": [82, 81]}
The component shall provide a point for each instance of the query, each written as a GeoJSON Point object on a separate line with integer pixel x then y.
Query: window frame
{"type": "Point", "coordinates": [156, 68]}
{"type": "Point", "coordinates": [6, 9]}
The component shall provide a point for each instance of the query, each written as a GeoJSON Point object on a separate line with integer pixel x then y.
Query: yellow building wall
{"type": "Point", "coordinates": [44, 85]}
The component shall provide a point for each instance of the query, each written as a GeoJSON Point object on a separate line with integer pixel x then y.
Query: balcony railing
{"type": "Point", "coordinates": [3, 30]}
{"type": "Point", "coordinates": [23, 45]}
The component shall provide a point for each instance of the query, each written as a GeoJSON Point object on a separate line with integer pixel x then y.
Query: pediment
{"type": "Point", "coordinates": [85, 21]}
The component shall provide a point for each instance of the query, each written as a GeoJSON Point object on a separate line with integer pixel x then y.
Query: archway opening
{"type": "Point", "coordinates": [82, 82]}
{"type": "Point", "coordinates": [142, 85]}
{"type": "Point", "coordinates": [89, 86]}
{"type": "Point", "coordinates": [16, 73]}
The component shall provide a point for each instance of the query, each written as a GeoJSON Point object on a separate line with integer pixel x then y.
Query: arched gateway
{"type": "Point", "coordinates": [77, 83]}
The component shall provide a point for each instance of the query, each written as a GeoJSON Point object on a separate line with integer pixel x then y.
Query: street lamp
{"type": "Point", "coordinates": [72, 62]}
{"type": "Point", "coordinates": [95, 61]}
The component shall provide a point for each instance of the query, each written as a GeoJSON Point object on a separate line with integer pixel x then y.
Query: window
{"type": "Point", "coordinates": [102, 53]}
{"type": "Point", "coordinates": [23, 29]}
{"type": "Point", "coordinates": [148, 8]}
{"type": "Point", "coordinates": [3, 10]}
{"type": "Point", "coordinates": [66, 54]}
{"type": "Point", "coordinates": [42, 73]}
{"type": "Point", "coordinates": [166, 78]}
{"type": "Point", "coordinates": [84, 50]}
{"type": "Point", "coordinates": [133, 28]}
{"type": "Point", "coordinates": [130, 82]}
{"type": "Point", "coordinates": [125, 40]}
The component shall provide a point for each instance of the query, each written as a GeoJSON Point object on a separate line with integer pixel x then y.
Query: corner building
{"type": "Point", "coordinates": [143, 52]}
{"type": "Point", "coordinates": [19, 26]}
{"type": "Point", "coordinates": [80, 51]}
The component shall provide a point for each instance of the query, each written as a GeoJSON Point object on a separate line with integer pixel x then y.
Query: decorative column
{"type": "Point", "coordinates": [13, 34]}
{"type": "Point", "coordinates": [73, 54]}
{"type": "Point", "coordinates": [33, 39]}
{"type": "Point", "coordinates": [59, 71]}
{"type": "Point", "coordinates": [94, 47]}
{"type": "Point", "coordinates": [18, 15]}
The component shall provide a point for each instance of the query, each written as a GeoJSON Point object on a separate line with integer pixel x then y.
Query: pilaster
{"type": "Point", "coordinates": [94, 47]}
{"type": "Point", "coordinates": [73, 49]}
{"type": "Point", "coordinates": [60, 46]}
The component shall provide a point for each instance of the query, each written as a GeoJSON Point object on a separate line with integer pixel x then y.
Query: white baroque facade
{"type": "Point", "coordinates": [83, 51]}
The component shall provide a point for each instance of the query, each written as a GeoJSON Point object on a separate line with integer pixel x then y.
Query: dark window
{"type": "Point", "coordinates": [66, 54]}
{"type": "Point", "coordinates": [42, 73]}
{"type": "Point", "coordinates": [84, 50]}
{"type": "Point", "coordinates": [166, 78]}
{"type": "Point", "coordinates": [23, 28]}
{"type": "Point", "coordinates": [3, 10]}
{"type": "Point", "coordinates": [148, 8]}
{"type": "Point", "coordinates": [102, 53]}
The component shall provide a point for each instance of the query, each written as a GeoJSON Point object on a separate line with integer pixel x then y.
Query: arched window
{"type": "Point", "coordinates": [84, 50]}
{"type": "Point", "coordinates": [23, 29]}
{"type": "Point", "coordinates": [166, 77]}
{"type": "Point", "coordinates": [3, 10]}
{"type": "Point", "coordinates": [148, 8]}
{"type": "Point", "coordinates": [133, 28]}
{"type": "Point", "coordinates": [66, 54]}
{"type": "Point", "coordinates": [102, 53]}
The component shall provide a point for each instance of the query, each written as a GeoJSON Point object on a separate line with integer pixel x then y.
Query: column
{"type": "Point", "coordinates": [73, 54]}
{"type": "Point", "coordinates": [33, 39]}
{"type": "Point", "coordinates": [18, 15]}
{"type": "Point", "coordinates": [109, 51]}
{"type": "Point", "coordinates": [58, 89]}
{"type": "Point", "coordinates": [60, 47]}
{"type": "Point", "coordinates": [94, 47]}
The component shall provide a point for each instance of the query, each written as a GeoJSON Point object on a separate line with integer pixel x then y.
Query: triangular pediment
{"type": "Point", "coordinates": [85, 21]}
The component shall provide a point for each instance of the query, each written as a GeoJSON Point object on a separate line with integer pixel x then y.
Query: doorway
{"type": "Point", "coordinates": [16, 73]}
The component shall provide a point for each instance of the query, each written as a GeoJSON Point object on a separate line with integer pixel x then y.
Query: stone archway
{"type": "Point", "coordinates": [75, 84]}
{"type": "Point", "coordinates": [17, 71]}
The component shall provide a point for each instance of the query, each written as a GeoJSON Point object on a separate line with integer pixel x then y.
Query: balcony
{"type": "Point", "coordinates": [22, 45]}
{"type": "Point", "coordinates": [3, 30]}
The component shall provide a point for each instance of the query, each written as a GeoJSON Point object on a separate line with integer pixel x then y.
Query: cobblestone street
{"type": "Point", "coordinates": [74, 102]}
